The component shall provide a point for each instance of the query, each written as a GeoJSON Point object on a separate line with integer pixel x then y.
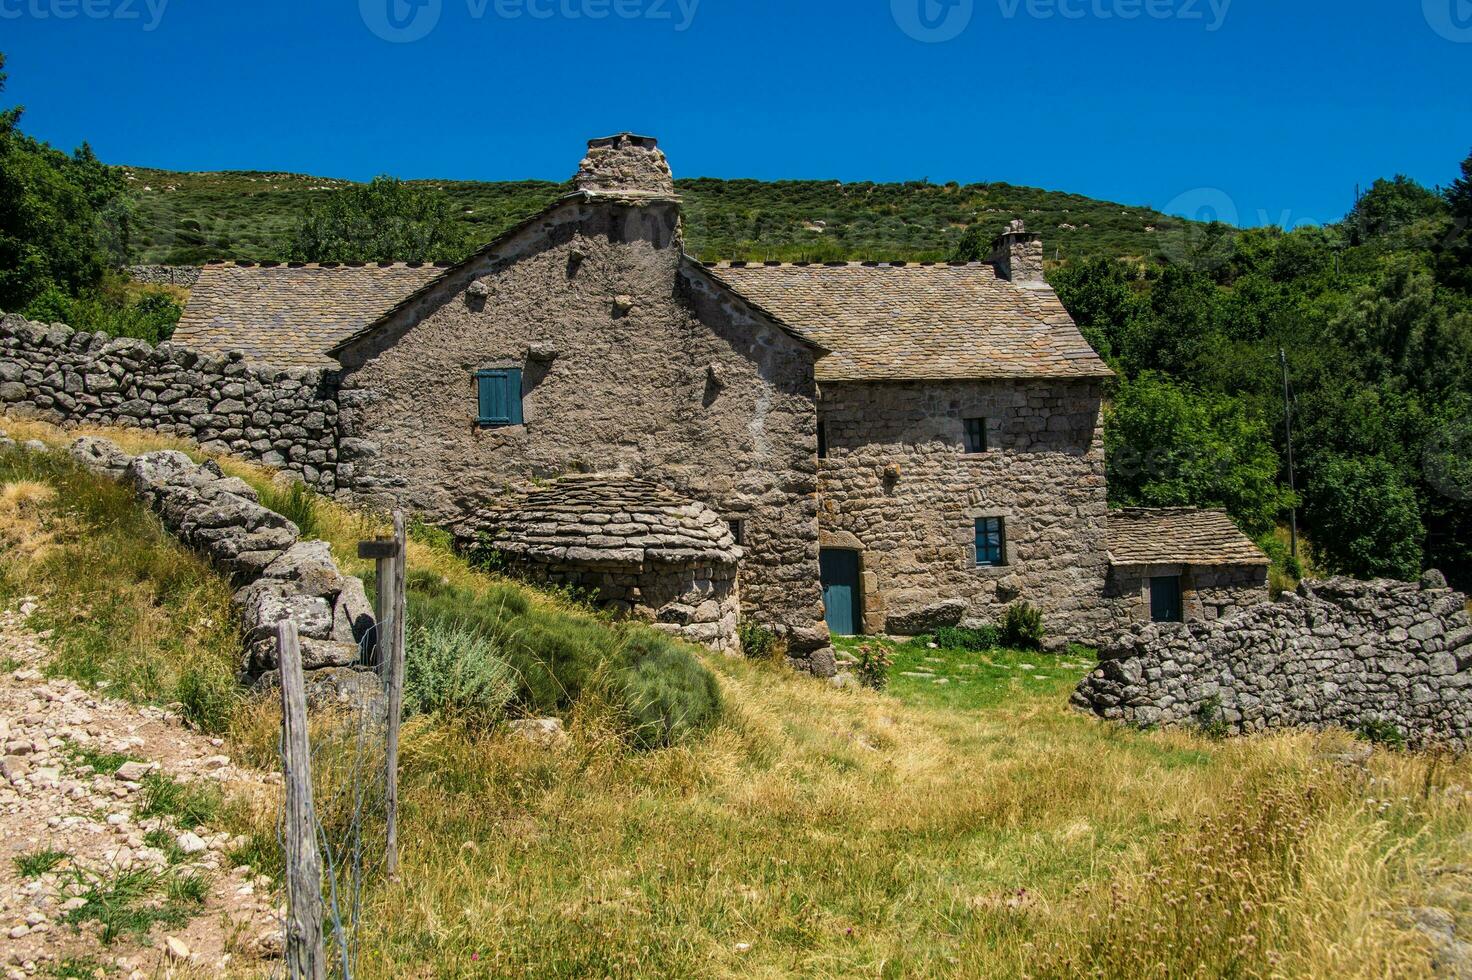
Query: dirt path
{"type": "Point", "coordinates": [89, 879]}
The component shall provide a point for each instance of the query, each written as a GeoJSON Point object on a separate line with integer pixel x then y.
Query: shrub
{"type": "Point", "coordinates": [1377, 731]}
{"type": "Point", "coordinates": [451, 669]}
{"type": "Point", "coordinates": [666, 694]}
{"type": "Point", "coordinates": [556, 657]}
{"type": "Point", "coordinates": [1211, 719]}
{"type": "Point", "coordinates": [1022, 627]}
{"type": "Point", "coordinates": [966, 638]}
{"type": "Point", "coordinates": [874, 664]}
{"type": "Point", "coordinates": [208, 697]}
{"type": "Point", "coordinates": [760, 643]}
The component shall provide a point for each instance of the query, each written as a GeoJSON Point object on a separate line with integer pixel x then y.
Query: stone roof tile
{"type": "Point", "coordinates": [1179, 535]}
{"type": "Point", "coordinates": [290, 315]}
{"type": "Point", "coordinates": [919, 321]}
{"type": "Point", "coordinates": [607, 520]}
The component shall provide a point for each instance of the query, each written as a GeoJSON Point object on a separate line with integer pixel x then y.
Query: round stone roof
{"type": "Point", "coordinates": [608, 520]}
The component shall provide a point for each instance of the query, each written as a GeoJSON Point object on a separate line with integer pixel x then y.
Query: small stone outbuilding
{"type": "Point", "coordinates": [1174, 565]}
{"type": "Point", "coordinates": [640, 548]}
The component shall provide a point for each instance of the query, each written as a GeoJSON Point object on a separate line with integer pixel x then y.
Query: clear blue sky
{"type": "Point", "coordinates": [1272, 108]}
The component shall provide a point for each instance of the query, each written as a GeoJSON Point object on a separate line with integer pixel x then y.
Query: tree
{"type": "Point", "coordinates": [1101, 299]}
{"type": "Point", "coordinates": [1365, 520]}
{"type": "Point", "coordinates": [1390, 207]}
{"type": "Point", "coordinates": [61, 223]}
{"type": "Point", "coordinates": [1170, 446]}
{"type": "Point", "coordinates": [1454, 263]}
{"type": "Point", "coordinates": [384, 221]}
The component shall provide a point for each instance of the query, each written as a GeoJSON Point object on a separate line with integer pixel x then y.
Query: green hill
{"type": "Point", "coordinates": [194, 217]}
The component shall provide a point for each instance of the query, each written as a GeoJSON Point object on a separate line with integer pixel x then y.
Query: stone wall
{"type": "Point", "coordinates": [286, 419]}
{"type": "Point", "coordinates": [898, 484]}
{"type": "Point", "coordinates": [164, 275]}
{"type": "Point", "coordinates": [1208, 592]}
{"type": "Point", "coordinates": [1337, 653]}
{"type": "Point", "coordinates": [277, 576]}
{"type": "Point", "coordinates": [634, 364]}
{"type": "Point", "coordinates": [697, 603]}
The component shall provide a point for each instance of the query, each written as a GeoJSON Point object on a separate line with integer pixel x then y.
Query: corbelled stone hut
{"type": "Point", "coordinates": [1179, 565]}
{"type": "Point", "coordinates": [642, 549]}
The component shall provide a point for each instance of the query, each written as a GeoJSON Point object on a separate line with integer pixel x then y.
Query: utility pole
{"type": "Point", "coordinates": [1288, 425]}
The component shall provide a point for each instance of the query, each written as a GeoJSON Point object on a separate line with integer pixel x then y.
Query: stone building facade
{"type": "Point", "coordinates": [892, 447]}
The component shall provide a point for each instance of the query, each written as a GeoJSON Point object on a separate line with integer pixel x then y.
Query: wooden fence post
{"type": "Point", "coordinates": [394, 687]}
{"type": "Point", "coordinates": [305, 957]}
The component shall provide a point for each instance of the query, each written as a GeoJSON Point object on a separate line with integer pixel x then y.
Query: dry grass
{"type": "Point", "coordinates": [974, 829]}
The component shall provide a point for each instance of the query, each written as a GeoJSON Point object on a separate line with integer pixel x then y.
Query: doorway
{"type": "Point", "coordinates": [842, 595]}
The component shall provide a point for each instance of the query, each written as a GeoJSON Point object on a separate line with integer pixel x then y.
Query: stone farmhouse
{"type": "Point", "coordinates": [822, 448]}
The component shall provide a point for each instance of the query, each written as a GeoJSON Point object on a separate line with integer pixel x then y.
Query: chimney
{"type": "Point", "coordinates": [1018, 254]}
{"type": "Point", "coordinates": [626, 165]}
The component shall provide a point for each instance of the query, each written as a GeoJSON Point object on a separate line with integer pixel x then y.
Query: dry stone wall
{"type": "Point", "coordinates": [899, 486]}
{"type": "Point", "coordinates": [165, 275]}
{"type": "Point", "coordinates": [1336, 653]}
{"type": "Point", "coordinates": [286, 419]}
{"type": "Point", "coordinates": [278, 576]}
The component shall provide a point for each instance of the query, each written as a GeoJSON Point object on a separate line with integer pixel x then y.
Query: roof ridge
{"type": "Point", "coordinates": [847, 264]}
{"type": "Point", "coordinates": [240, 264]}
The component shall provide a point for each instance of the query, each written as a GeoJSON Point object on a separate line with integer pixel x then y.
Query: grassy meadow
{"type": "Point", "coordinates": [963, 823]}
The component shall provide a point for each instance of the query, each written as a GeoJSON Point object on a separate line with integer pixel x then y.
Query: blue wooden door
{"type": "Point", "coordinates": [841, 596]}
{"type": "Point", "coordinates": [1165, 599]}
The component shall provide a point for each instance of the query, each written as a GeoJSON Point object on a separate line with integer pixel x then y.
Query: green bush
{"type": "Point", "coordinates": [297, 503]}
{"type": "Point", "coordinates": [666, 694]}
{"type": "Point", "coordinates": [966, 638]}
{"type": "Point", "coordinates": [450, 669]}
{"type": "Point", "coordinates": [1377, 731]}
{"type": "Point", "coordinates": [1022, 627]}
{"type": "Point", "coordinates": [758, 642]}
{"type": "Point", "coordinates": [557, 657]}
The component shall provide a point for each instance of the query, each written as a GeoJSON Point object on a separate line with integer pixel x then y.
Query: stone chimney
{"type": "Point", "coordinates": [625, 165]}
{"type": "Point", "coordinates": [1018, 254]}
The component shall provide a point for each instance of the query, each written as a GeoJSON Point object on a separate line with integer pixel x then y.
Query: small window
{"type": "Point", "coordinates": [822, 441]}
{"type": "Point", "coordinates": [1165, 600]}
{"type": "Point", "coordinates": [976, 436]}
{"type": "Point", "coordinates": [991, 542]}
{"type": "Point", "coordinates": [498, 393]}
{"type": "Point", "coordinates": [738, 531]}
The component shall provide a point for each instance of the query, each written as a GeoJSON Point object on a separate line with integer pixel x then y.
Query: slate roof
{"type": "Point", "coordinates": [1179, 536]}
{"type": "Point", "coordinates": [607, 520]}
{"type": "Point", "coordinates": [290, 315]}
{"type": "Point", "coordinates": [919, 322]}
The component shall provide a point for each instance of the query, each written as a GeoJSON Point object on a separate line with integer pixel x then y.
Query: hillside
{"type": "Point", "coordinates": [1031, 841]}
{"type": "Point", "coordinates": [193, 217]}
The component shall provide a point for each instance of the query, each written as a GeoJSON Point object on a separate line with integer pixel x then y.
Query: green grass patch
{"type": "Point", "coordinates": [190, 804]}
{"type": "Point", "coordinates": [102, 763]}
{"type": "Point", "coordinates": [131, 903]}
{"type": "Point", "coordinates": [37, 863]}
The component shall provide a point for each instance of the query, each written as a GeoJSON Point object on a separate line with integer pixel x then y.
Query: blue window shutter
{"type": "Point", "coordinates": [498, 392]}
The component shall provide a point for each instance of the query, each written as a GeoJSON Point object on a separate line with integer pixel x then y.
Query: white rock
{"type": "Point", "coordinates": [130, 772]}
{"type": "Point", "coordinates": [191, 843]}
{"type": "Point", "coordinates": [176, 948]}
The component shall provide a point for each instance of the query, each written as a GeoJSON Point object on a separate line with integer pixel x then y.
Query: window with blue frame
{"type": "Point", "coordinates": [976, 436]}
{"type": "Point", "coordinates": [991, 542]}
{"type": "Point", "coordinates": [498, 393]}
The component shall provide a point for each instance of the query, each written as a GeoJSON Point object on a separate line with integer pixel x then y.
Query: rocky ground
{"type": "Point", "coordinates": [91, 882]}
